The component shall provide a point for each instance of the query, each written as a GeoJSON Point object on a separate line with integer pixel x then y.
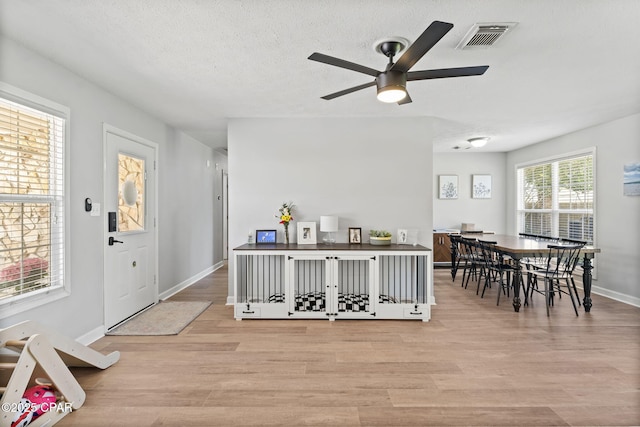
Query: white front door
{"type": "Point", "coordinates": [130, 259]}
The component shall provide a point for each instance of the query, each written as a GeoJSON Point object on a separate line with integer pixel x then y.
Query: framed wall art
{"type": "Point", "coordinates": [631, 179]}
{"type": "Point", "coordinates": [481, 187]}
{"type": "Point", "coordinates": [448, 186]}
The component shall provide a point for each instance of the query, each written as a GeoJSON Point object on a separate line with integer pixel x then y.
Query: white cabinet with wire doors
{"type": "Point", "coordinates": [333, 282]}
{"type": "Point", "coordinates": [331, 286]}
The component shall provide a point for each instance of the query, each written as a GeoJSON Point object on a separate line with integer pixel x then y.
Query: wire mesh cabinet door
{"type": "Point", "coordinates": [308, 286]}
{"type": "Point", "coordinates": [354, 293]}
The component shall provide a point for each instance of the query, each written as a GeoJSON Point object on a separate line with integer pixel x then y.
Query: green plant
{"type": "Point", "coordinates": [379, 233]}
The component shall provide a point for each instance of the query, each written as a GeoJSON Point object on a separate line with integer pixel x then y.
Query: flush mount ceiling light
{"type": "Point", "coordinates": [478, 142]}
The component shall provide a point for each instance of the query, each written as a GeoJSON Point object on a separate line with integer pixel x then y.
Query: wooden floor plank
{"type": "Point", "coordinates": [475, 363]}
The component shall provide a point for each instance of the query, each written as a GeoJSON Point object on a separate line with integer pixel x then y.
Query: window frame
{"type": "Point", "coordinates": [22, 303]}
{"type": "Point", "coordinates": [555, 210]}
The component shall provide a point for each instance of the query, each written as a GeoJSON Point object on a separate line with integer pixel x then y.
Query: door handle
{"type": "Point", "coordinates": [112, 241]}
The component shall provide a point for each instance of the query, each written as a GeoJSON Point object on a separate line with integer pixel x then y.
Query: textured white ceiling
{"type": "Point", "coordinates": [567, 65]}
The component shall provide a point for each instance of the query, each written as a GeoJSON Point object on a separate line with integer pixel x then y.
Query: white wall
{"type": "Point", "coordinates": [185, 189]}
{"type": "Point", "coordinates": [371, 173]}
{"type": "Point", "coordinates": [221, 166]}
{"type": "Point", "coordinates": [617, 216]}
{"type": "Point", "coordinates": [186, 206]}
{"type": "Point", "coordinates": [486, 214]}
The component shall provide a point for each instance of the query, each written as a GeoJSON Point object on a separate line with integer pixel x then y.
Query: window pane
{"type": "Point", "coordinates": [537, 223]}
{"type": "Point", "coordinates": [537, 191]}
{"type": "Point", "coordinates": [576, 226]}
{"type": "Point", "coordinates": [131, 194]}
{"type": "Point", "coordinates": [25, 240]}
{"type": "Point", "coordinates": [575, 183]}
{"type": "Point", "coordinates": [24, 151]}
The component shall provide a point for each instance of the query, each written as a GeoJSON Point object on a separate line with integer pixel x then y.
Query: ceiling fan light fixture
{"type": "Point", "coordinates": [392, 86]}
{"type": "Point", "coordinates": [478, 142]}
{"type": "Point", "coordinates": [392, 82]}
{"type": "Point", "coordinates": [392, 94]}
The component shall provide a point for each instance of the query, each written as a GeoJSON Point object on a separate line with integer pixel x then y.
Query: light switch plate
{"type": "Point", "coordinates": [95, 209]}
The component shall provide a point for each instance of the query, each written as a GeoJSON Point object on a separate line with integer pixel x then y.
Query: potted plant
{"type": "Point", "coordinates": [379, 237]}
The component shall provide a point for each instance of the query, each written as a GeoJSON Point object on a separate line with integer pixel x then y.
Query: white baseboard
{"type": "Point", "coordinates": [617, 296]}
{"type": "Point", "coordinates": [190, 281]}
{"type": "Point", "coordinates": [91, 336]}
{"type": "Point", "coordinates": [229, 300]}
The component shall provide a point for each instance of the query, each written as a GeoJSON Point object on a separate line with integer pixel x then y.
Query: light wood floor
{"type": "Point", "coordinates": [474, 363]}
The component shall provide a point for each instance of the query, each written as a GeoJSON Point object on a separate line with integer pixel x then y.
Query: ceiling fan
{"type": "Point", "coordinates": [392, 82]}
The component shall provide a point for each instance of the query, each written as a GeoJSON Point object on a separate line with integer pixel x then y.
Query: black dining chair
{"type": "Point", "coordinates": [497, 269]}
{"type": "Point", "coordinates": [560, 263]}
{"type": "Point", "coordinates": [457, 252]}
{"type": "Point", "coordinates": [473, 265]}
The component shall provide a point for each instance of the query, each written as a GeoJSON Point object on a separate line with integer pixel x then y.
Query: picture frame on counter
{"type": "Point", "coordinates": [355, 235]}
{"type": "Point", "coordinates": [265, 237]}
{"type": "Point", "coordinates": [307, 233]}
{"type": "Point", "coordinates": [407, 236]}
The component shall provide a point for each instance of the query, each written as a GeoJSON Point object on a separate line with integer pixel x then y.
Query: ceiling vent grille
{"type": "Point", "coordinates": [485, 35]}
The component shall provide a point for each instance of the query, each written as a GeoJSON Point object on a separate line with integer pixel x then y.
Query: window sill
{"type": "Point", "coordinates": [29, 302]}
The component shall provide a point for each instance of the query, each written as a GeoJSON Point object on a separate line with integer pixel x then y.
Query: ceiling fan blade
{"type": "Point", "coordinates": [426, 41]}
{"type": "Point", "coordinates": [347, 91]}
{"type": "Point", "coordinates": [406, 100]}
{"type": "Point", "coordinates": [447, 72]}
{"type": "Point", "coordinates": [337, 62]}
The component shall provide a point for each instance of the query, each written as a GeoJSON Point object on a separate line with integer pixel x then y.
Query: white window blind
{"type": "Point", "coordinates": [32, 201]}
{"type": "Point", "coordinates": [556, 198]}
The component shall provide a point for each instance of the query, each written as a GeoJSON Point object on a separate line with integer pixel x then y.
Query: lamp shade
{"type": "Point", "coordinates": [329, 223]}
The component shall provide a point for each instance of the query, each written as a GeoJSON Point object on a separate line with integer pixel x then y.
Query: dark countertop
{"type": "Point", "coordinates": [332, 247]}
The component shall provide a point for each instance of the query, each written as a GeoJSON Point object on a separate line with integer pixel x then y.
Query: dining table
{"type": "Point", "coordinates": [519, 247]}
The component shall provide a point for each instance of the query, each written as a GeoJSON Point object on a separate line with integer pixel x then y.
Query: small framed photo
{"type": "Point", "coordinates": [307, 233]}
{"type": "Point", "coordinates": [355, 235]}
{"type": "Point", "coordinates": [407, 236]}
{"type": "Point", "coordinates": [403, 236]}
{"type": "Point", "coordinates": [448, 186]}
{"type": "Point", "coordinates": [481, 186]}
{"type": "Point", "coordinates": [265, 237]}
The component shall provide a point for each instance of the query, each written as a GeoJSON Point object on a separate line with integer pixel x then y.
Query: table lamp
{"type": "Point", "coordinates": [329, 225]}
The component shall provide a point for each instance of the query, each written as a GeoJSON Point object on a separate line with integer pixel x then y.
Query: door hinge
{"type": "Point", "coordinates": [154, 279]}
{"type": "Point", "coordinates": [154, 165]}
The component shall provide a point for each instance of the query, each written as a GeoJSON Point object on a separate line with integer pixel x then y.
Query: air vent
{"type": "Point", "coordinates": [485, 35]}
